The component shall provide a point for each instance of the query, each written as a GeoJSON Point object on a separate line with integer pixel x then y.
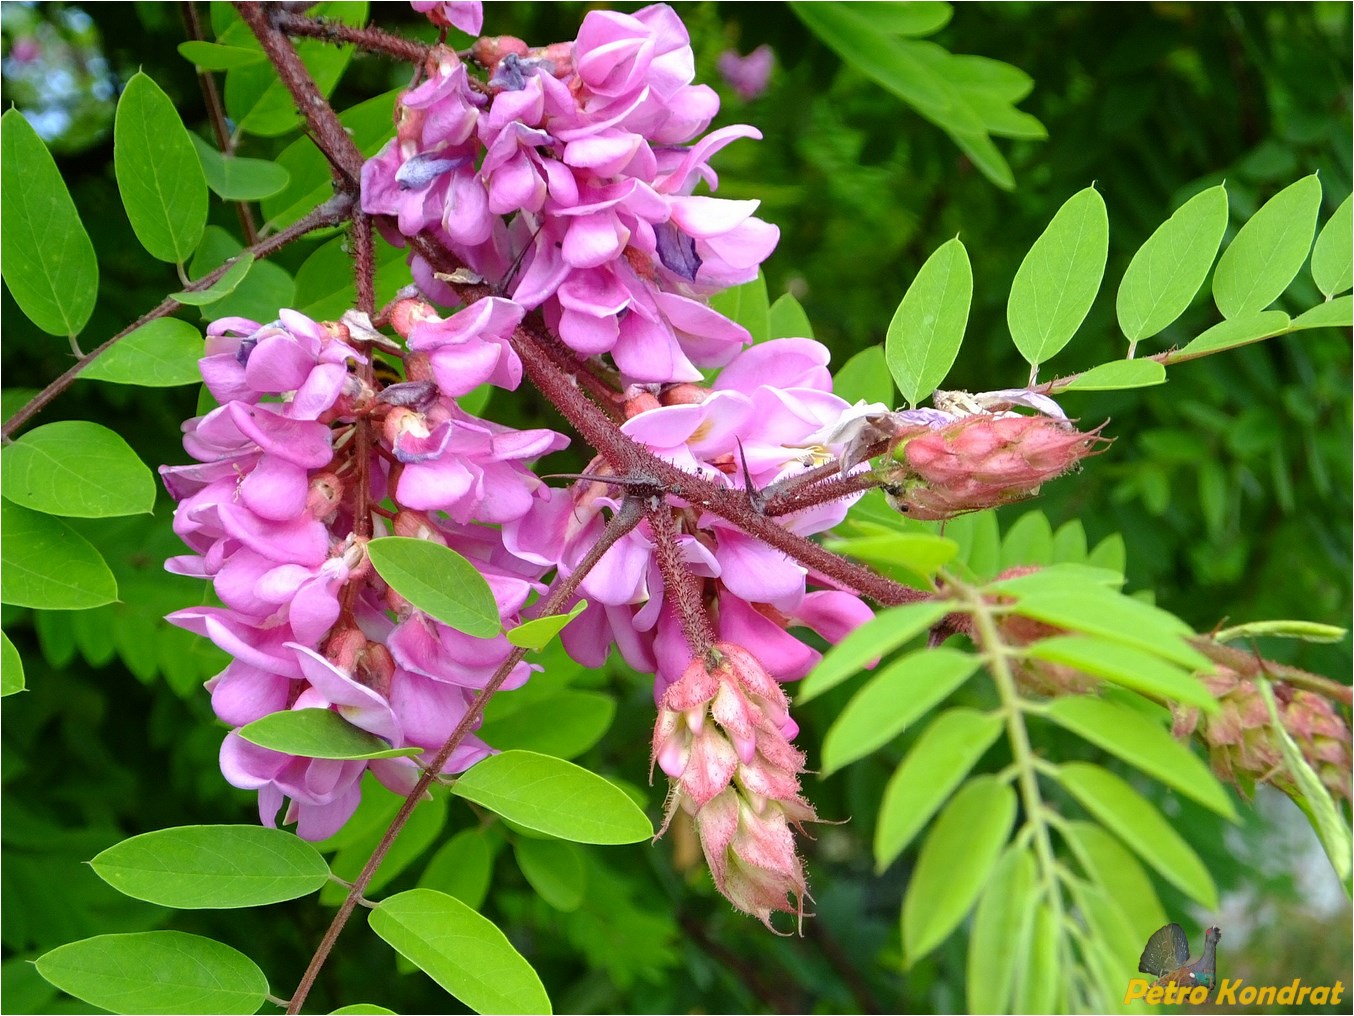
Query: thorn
{"type": "Point", "coordinates": [755, 497]}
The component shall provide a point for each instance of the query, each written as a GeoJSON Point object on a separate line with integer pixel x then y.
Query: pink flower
{"type": "Point", "coordinates": [747, 75]}
{"type": "Point", "coordinates": [467, 15]}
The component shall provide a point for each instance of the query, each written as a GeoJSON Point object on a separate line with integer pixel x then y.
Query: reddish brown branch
{"type": "Point", "coordinates": [371, 39]}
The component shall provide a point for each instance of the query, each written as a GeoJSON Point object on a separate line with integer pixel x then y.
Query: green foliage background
{"type": "Point", "coordinates": [1230, 485]}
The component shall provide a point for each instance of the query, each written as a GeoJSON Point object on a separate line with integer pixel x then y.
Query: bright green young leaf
{"type": "Point", "coordinates": [213, 866]}
{"type": "Point", "coordinates": [1138, 741]}
{"type": "Point", "coordinates": [892, 700]}
{"type": "Point", "coordinates": [463, 952]}
{"type": "Point", "coordinates": [996, 929]}
{"type": "Point", "coordinates": [1307, 631]}
{"type": "Point", "coordinates": [1028, 542]}
{"type": "Point", "coordinates": [158, 172]}
{"type": "Point", "coordinates": [747, 305]}
{"type": "Point", "coordinates": [865, 378]}
{"type": "Point", "coordinates": [555, 870]}
{"type": "Point", "coordinates": [1039, 977]}
{"type": "Point", "coordinates": [554, 797]}
{"type": "Point", "coordinates": [1336, 313]}
{"type": "Point", "coordinates": [212, 56]}
{"type": "Point", "coordinates": [11, 668]}
{"type": "Point", "coordinates": [928, 326]}
{"type": "Point", "coordinates": [1108, 863]}
{"type": "Point", "coordinates": [786, 320]}
{"type": "Point", "coordinates": [955, 863]}
{"type": "Point", "coordinates": [160, 354]}
{"type": "Point", "coordinates": [564, 725]}
{"type": "Point", "coordinates": [1121, 810]}
{"type": "Point", "coordinates": [1059, 278]}
{"type": "Point", "coordinates": [937, 763]}
{"type": "Point", "coordinates": [155, 972]}
{"type": "Point", "coordinates": [462, 867]}
{"type": "Point", "coordinates": [877, 637]}
{"type": "Point", "coordinates": [76, 469]}
{"type": "Point", "coordinates": [235, 179]}
{"type": "Point", "coordinates": [423, 829]}
{"type": "Point", "coordinates": [540, 632]}
{"type": "Point", "coordinates": [1268, 251]}
{"type": "Point", "coordinates": [318, 733]}
{"type": "Point", "coordinates": [439, 582]}
{"type": "Point", "coordinates": [922, 554]}
{"type": "Point", "coordinates": [1119, 374]}
{"type": "Point", "coordinates": [1132, 666]}
{"type": "Point", "coordinates": [1332, 260]}
{"type": "Point", "coordinates": [222, 287]}
{"type": "Point", "coordinates": [1239, 331]}
{"type": "Point", "coordinates": [45, 563]}
{"type": "Point", "coordinates": [1170, 267]}
{"type": "Point", "coordinates": [49, 262]}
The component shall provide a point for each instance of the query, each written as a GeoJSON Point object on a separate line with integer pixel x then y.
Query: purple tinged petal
{"type": "Point", "coordinates": [242, 694]}
{"type": "Point", "coordinates": [677, 251]}
{"type": "Point", "coordinates": [302, 540]}
{"type": "Point", "coordinates": [275, 489]}
{"type": "Point", "coordinates": [358, 704]}
{"type": "Point", "coordinates": [318, 393]}
{"type": "Point", "coordinates": [755, 571]}
{"type": "Point", "coordinates": [279, 363]}
{"type": "Point", "coordinates": [594, 240]}
{"type": "Point", "coordinates": [780, 363]}
{"type": "Point", "coordinates": [303, 442]}
{"type": "Point", "coordinates": [620, 576]}
{"type": "Point", "coordinates": [784, 656]}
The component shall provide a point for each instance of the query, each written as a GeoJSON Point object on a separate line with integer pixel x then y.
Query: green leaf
{"type": "Point", "coordinates": [44, 563]}
{"type": "Point", "coordinates": [1140, 742]}
{"type": "Point", "coordinates": [160, 354]}
{"type": "Point", "coordinates": [1307, 631]}
{"type": "Point", "coordinates": [235, 179]}
{"type": "Point", "coordinates": [554, 797]}
{"type": "Point", "coordinates": [555, 870]}
{"type": "Point", "coordinates": [324, 283]}
{"type": "Point", "coordinates": [439, 582]}
{"type": "Point", "coordinates": [1119, 374]}
{"type": "Point", "coordinates": [1332, 260]}
{"type": "Point", "coordinates": [1110, 864]}
{"type": "Point", "coordinates": [221, 288]}
{"type": "Point", "coordinates": [213, 867]}
{"type": "Point", "coordinates": [564, 725]}
{"type": "Point", "coordinates": [1118, 807]}
{"type": "Point", "coordinates": [540, 632]}
{"type": "Point", "coordinates": [1041, 974]}
{"type": "Point", "coordinates": [1268, 251]}
{"type": "Point", "coordinates": [915, 19]}
{"type": "Point", "coordinates": [1059, 278]}
{"type": "Point", "coordinates": [955, 863]}
{"type": "Point", "coordinates": [1172, 265]}
{"type": "Point", "coordinates": [156, 972]}
{"type": "Point", "coordinates": [877, 637]}
{"type": "Point", "coordinates": [318, 733]}
{"type": "Point", "coordinates": [748, 306]}
{"type": "Point", "coordinates": [49, 262]}
{"type": "Point", "coordinates": [997, 927]}
{"type": "Point", "coordinates": [1337, 313]}
{"type": "Point", "coordinates": [1239, 331]}
{"type": "Point", "coordinates": [920, 553]}
{"type": "Point", "coordinates": [462, 951]}
{"type": "Point", "coordinates": [786, 320]}
{"type": "Point", "coordinates": [937, 763]}
{"type": "Point", "coordinates": [76, 469]}
{"type": "Point", "coordinates": [212, 56]}
{"type": "Point", "coordinates": [158, 172]}
{"type": "Point", "coordinates": [927, 328]}
{"type": "Point", "coordinates": [892, 700]}
{"type": "Point", "coordinates": [11, 668]}
{"type": "Point", "coordinates": [423, 829]}
{"type": "Point", "coordinates": [865, 378]}
{"type": "Point", "coordinates": [462, 867]}
{"type": "Point", "coordinates": [1132, 666]}
{"type": "Point", "coordinates": [363, 1009]}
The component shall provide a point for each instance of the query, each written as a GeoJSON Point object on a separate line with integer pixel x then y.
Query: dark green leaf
{"type": "Point", "coordinates": [892, 700]}
{"type": "Point", "coordinates": [1239, 331]}
{"type": "Point", "coordinates": [877, 637]}
{"type": "Point", "coordinates": [160, 354]}
{"type": "Point", "coordinates": [1268, 251]}
{"type": "Point", "coordinates": [439, 582]}
{"type": "Point", "coordinates": [939, 760]}
{"type": "Point", "coordinates": [76, 469]}
{"type": "Point", "coordinates": [237, 179]}
{"type": "Point", "coordinates": [1332, 260]}
{"type": "Point", "coordinates": [565, 724]}
{"type": "Point", "coordinates": [324, 283]}
{"type": "Point", "coordinates": [786, 320]}
{"type": "Point", "coordinates": [955, 863]}
{"type": "Point", "coordinates": [462, 867]}
{"type": "Point", "coordinates": [318, 733]}
{"type": "Point", "coordinates": [1170, 267]}
{"type": "Point", "coordinates": [747, 305]}
{"type": "Point", "coordinates": [555, 870]}
{"type": "Point", "coordinates": [554, 797]}
{"type": "Point", "coordinates": [1119, 374]}
{"type": "Point", "coordinates": [1134, 738]}
{"type": "Point", "coordinates": [1118, 807]}
{"type": "Point", "coordinates": [927, 328]}
{"type": "Point", "coordinates": [221, 288]}
{"type": "Point", "coordinates": [156, 972]}
{"type": "Point", "coordinates": [422, 830]}
{"type": "Point", "coordinates": [997, 926]}
{"type": "Point", "coordinates": [49, 262]}
{"type": "Point", "coordinates": [540, 632]}
{"type": "Point", "coordinates": [212, 56]}
{"type": "Point", "coordinates": [212, 867]}
{"type": "Point", "coordinates": [11, 668]}
{"type": "Point", "coordinates": [158, 172]}
{"type": "Point", "coordinates": [865, 378]}
{"type": "Point", "coordinates": [1059, 278]}
{"type": "Point", "coordinates": [47, 564]}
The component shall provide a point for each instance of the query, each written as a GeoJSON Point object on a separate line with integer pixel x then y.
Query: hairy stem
{"type": "Point", "coordinates": [371, 39]}
{"type": "Point", "coordinates": [683, 587]}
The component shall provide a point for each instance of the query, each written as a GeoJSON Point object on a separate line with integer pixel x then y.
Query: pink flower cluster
{"type": "Point", "coordinates": [564, 181]}
{"type": "Point", "coordinates": [271, 512]}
